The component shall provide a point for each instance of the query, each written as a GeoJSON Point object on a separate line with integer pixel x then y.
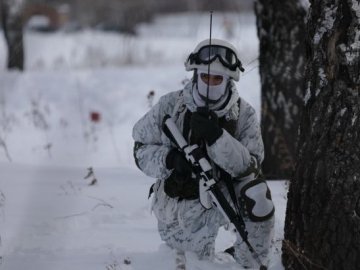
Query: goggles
{"type": "Point", "coordinates": [210, 53]}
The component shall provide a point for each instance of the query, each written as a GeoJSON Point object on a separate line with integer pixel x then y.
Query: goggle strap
{"type": "Point", "coordinates": [194, 58]}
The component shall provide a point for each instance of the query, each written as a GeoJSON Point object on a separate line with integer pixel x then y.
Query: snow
{"type": "Point", "coordinates": [356, 7]}
{"type": "Point", "coordinates": [305, 4]}
{"type": "Point", "coordinates": [322, 77]}
{"type": "Point", "coordinates": [38, 21]}
{"type": "Point", "coordinates": [353, 120]}
{"type": "Point", "coordinates": [54, 220]}
{"type": "Point", "coordinates": [50, 217]}
{"type": "Point", "coordinates": [327, 23]}
{"type": "Point", "coordinates": [307, 95]}
{"type": "Point", "coordinates": [343, 111]}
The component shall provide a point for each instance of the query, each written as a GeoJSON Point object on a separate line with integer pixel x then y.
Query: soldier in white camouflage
{"type": "Point", "coordinates": [230, 135]}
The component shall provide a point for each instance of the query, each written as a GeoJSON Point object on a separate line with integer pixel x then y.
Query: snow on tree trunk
{"type": "Point", "coordinates": [12, 24]}
{"type": "Point", "coordinates": [322, 226]}
{"type": "Point", "coordinates": [281, 31]}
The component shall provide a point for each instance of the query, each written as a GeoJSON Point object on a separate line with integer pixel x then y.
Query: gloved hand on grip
{"type": "Point", "coordinates": [176, 160]}
{"type": "Point", "coordinates": [205, 125]}
{"type": "Point", "coordinates": [180, 183]}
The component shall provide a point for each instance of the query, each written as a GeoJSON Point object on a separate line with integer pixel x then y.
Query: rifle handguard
{"type": "Point", "coordinates": [196, 157]}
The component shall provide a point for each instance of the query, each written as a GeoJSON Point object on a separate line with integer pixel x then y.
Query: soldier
{"type": "Point", "coordinates": [229, 132]}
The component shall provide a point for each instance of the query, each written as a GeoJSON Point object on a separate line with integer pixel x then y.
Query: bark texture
{"type": "Point", "coordinates": [281, 31]}
{"type": "Point", "coordinates": [322, 227]}
{"type": "Point", "coordinates": [12, 23]}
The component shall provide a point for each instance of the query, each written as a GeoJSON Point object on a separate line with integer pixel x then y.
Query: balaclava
{"type": "Point", "coordinates": [217, 93]}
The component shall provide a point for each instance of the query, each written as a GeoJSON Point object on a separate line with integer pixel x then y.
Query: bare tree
{"type": "Point", "coordinates": [281, 31]}
{"type": "Point", "coordinates": [322, 227]}
{"type": "Point", "coordinates": [11, 11]}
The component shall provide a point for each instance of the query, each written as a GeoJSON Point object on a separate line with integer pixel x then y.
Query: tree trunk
{"type": "Point", "coordinates": [322, 226]}
{"type": "Point", "coordinates": [281, 31]}
{"type": "Point", "coordinates": [12, 25]}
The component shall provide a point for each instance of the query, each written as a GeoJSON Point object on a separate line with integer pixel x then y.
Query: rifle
{"type": "Point", "coordinates": [210, 193]}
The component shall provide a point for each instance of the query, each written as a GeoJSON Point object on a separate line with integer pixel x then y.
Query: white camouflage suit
{"type": "Point", "coordinates": [185, 224]}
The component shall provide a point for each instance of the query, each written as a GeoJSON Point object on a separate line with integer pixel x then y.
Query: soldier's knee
{"type": "Point", "coordinates": [255, 197]}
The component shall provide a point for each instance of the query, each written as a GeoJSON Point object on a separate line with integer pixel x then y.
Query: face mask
{"type": "Point", "coordinates": [216, 92]}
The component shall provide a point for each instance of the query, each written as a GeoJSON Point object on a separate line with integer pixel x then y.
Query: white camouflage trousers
{"type": "Point", "coordinates": [186, 225]}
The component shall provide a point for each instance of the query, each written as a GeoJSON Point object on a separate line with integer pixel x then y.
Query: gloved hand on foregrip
{"type": "Point", "coordinates": [206, 126]}
{"type": "Point", "coordinates": [180, 183]}
{"type": "Point", "coordinates": [176, 160]}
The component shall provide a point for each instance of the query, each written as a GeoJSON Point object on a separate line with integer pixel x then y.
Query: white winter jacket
{"type": "Point", "coordinates": [232, 153]}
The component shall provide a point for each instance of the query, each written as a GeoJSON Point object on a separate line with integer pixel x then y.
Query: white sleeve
{"type": "Point", "coordinates": [150, 151]}
{"type": "Point", "coordinates": [233, 154]}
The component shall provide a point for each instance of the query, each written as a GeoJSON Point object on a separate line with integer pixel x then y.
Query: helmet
{"type": "Point", "coordinates": [221, 55]}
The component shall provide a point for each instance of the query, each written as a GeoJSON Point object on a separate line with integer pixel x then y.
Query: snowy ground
{"type": "Point", "coordinates": [50, 218]}
{"type": "Point", "coordinates": [54, 220]}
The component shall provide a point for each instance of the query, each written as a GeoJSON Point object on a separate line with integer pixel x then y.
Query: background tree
{"type": "Point", "coordinates": [281, 31]}
{"type": "Point", "coordinates": [11, 15]}
{"type": "Point", "coordinates": [322, 226]}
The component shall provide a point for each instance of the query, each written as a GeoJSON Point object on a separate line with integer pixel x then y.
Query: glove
{"type": "Point", "coordinates": [180, 183]}
{"type": "Point", "coordinates": [176, 160]}
{"type": "Point", "coordinates": [205, 125]}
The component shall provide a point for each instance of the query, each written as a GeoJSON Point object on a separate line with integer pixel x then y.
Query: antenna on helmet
{"type": "Point", "coordinates": [208, 82]}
